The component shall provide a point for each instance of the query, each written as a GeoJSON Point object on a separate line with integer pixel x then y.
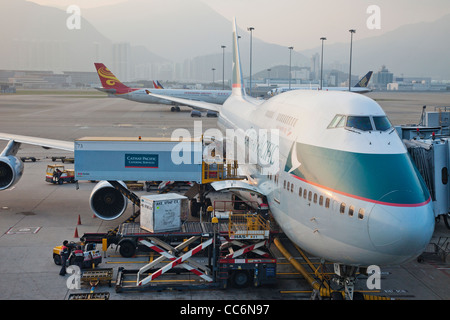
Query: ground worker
{"type": "Point", "coordinates": [64, 256]}
{"type": "Point", "coordinates": [78, 257]}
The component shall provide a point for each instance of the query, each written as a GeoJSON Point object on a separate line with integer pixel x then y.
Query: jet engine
{"type": "Point", "coordinates": [11, 169]}
{"type": "Point", "coordinates": [106, 202]}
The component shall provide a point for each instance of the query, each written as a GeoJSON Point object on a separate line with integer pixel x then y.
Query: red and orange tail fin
{"type": "Point", "coordinates": [157, 85]}
{"type": "Point", "coordinates": [109, 80]}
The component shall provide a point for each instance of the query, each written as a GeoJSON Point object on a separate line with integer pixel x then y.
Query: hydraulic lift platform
{"type": "Point", "coordinates": [209, 251]}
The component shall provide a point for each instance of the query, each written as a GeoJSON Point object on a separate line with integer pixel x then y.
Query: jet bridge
{"type": "Point", "coordinates": [149, 159]}
{"type": "Point", "coordinates": [428, 144]}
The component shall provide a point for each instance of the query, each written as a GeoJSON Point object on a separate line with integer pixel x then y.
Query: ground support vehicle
{"type": "Point", "coordinates": [207, 250]}
{"type": "Point", "coordinates": [97, 275]}
{"type": "Point", "coordinates": [57, 174]}
{"type": "Point", "coordinates": [32, 159]}
{"type": "Point", "coordinates": [63, 159]}
{"type": "Point", "coordinates": [92, 256]}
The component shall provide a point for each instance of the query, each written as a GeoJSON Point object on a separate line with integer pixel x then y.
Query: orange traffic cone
{"type": "Point", "coordinates": [76, 233]}
{"type": "Point", "coordinates": [79, 220]}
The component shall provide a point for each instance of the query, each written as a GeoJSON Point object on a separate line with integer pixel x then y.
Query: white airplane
{"type": "Point", "coordinates": [344, 188]}
{"type": "Point", "coordinates": [112, 85]}
{"type": "Point", "coordinates": [360, 87]}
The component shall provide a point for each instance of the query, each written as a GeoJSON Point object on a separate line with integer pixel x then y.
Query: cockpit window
{"type": "Point", "coordinates": [363, 123]}
{"type": "Point", "coordinates": [341, 122]}
{"type": "Point", "coordinates": [338, 121]}
{"type": "Point", "coordinates": [381, 123]}
{"type": "Point", "coordinates": [360, 123]}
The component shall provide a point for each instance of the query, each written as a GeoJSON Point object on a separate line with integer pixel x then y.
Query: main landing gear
{"type": "Point", "coordinates": [175, 109]}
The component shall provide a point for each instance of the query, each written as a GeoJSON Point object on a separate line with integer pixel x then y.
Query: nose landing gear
{"type": "Point", "coordinates": [345, 276]}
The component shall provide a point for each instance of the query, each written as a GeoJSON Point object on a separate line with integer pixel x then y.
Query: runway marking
{"type": "Point", "coordinates": [23, 230]}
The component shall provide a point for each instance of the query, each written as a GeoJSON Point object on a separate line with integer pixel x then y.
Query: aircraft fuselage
{"type": "Point", "coordinates": [347, 194]}
{"type": "Point", "coordinates": [210, 96]}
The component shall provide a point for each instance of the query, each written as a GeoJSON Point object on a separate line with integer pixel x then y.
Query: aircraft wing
{"type": "Point", "coordinates": [199, 105]}
{"type": "Point", "coordinates": [42, 142]}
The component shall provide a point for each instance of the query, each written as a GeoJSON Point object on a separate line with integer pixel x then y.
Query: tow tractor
{"type": "Point", "coordinates": [57, 174]}
{"type": "Point", "coordinates": [92, 256]}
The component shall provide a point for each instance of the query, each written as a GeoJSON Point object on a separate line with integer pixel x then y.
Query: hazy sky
{"type": "Point", "coordinates": [300, 23]}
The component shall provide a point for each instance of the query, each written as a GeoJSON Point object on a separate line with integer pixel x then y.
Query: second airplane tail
{"type": "Point", "coordinates": [364, 80]}
{"type": "Point", "coordinates": [109, 80]}
{"type": "Point", "coordinates": [157, 85]}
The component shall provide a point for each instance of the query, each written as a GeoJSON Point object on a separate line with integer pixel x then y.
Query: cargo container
{"type": "Point", "coordinates": [163, 212]}
{"type": "Point", "coordinates": [138, 159]}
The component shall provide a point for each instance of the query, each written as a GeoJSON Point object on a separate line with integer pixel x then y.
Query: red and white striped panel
{"type": "Point", "coordinates": [179, 261]}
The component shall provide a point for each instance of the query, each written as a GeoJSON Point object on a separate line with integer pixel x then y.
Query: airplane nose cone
{"type": "Point", "coordinates": [400, 233]}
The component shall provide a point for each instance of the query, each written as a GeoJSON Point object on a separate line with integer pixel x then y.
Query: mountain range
{"type": "Point", "coordinates": [162, 38]}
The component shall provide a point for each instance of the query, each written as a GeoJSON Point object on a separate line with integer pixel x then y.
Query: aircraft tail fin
{"type": "Point", "coordinates": [238, 84]}
{"type": "Point", "coordinates": [109, 80]}
{"type": "Point", "coordinates": [157, 85]}
{"type": "Point", "coordinates": [364, 80]}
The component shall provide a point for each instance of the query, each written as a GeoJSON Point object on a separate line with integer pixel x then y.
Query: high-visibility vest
{"type": "Point", "coordinates": [64, 251]}
{"type": "Point", "coordinates": [79, 255]}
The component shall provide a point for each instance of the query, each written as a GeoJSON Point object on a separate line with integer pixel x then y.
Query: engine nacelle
{"type": "Point", "coordinates": [106, 202]}
{"type": "Point", "coordinates": [11, 169]}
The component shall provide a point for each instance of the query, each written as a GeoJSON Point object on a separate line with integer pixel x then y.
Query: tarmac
{"type": "Point", "coordinates": [35, 215]}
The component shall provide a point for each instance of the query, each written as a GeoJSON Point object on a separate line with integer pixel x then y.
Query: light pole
{"type": "Point", "coordinates": [223, 67]}
{"type": "Point", "coordinates": [321, 64]}
{"type": "Point", "coordinates": [268, 81]}
{"type": "Point", "coordinates": [251, 45]}
{"type": "Point", "coordinates": [352, 31]}
{"type": "Point", "coordinates": [290, 59]}
{"type": "Point", "coordinates": [213, 69]}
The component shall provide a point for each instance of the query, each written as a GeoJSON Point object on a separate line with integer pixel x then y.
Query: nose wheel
{"type": "Point", "coordinates": [346, 277]}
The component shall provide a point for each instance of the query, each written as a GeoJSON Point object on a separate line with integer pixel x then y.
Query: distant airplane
{"type": "Point", "coordinates": [112, 85]}
{"type": "Point", "coordinates": [157, 85]}
{"type": "Point", "coordinates": [360, 87]}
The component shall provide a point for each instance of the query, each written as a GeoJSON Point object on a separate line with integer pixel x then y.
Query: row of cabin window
{"type": "Point", "coordinates": [287, 119]}
{"type": "Point", "coordinates": [320, 199]}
